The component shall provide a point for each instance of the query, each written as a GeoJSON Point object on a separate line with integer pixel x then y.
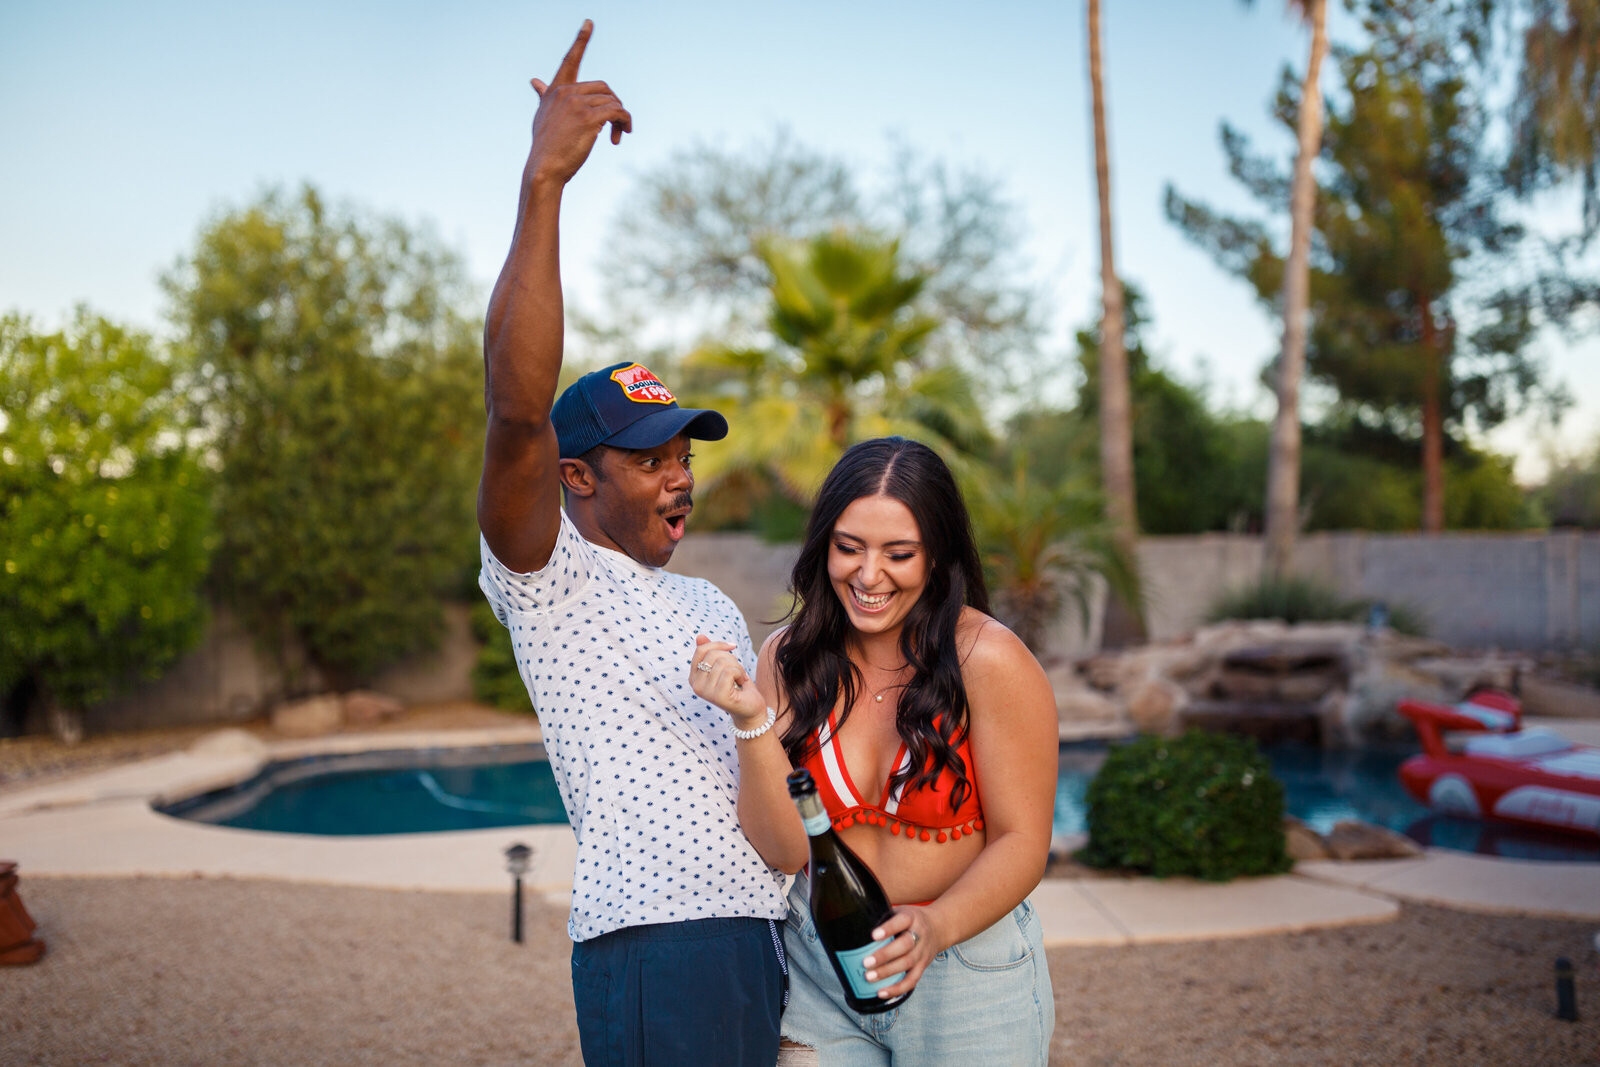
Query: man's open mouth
{"type": "Point", "coordinates": [677, 522]}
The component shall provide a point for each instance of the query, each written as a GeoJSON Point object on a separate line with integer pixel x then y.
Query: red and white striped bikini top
{"type": "Point", "coordinates": [923, 813]}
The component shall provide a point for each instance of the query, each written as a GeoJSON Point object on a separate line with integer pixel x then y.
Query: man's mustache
{"type": "Point", "coordinates": [682, 500]}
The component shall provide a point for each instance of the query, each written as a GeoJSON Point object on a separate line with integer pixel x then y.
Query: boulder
{"type": "Point", "coordinates": [1376, 688]}
{"type": "Point", "coordinates": [1295, 653]}
{"type": "Point", "coordinates": [364, 708]}
{"type": "Point", "coordinates": [1086, 706]}
{"type": "Point", "coordinates": [1466, 673]}
{"type": "Point", "coordinates": [312, 717]}
{"type": "Point", "coordinates": [1353, 840]}
{"type": "Point", "coordinates": [1184, 663]}
{"type": "Point", "coordinates": [1154, 706]}
{"type": "Point", "coordinates": [1302, 842]}
{"type": "Point", "coordinates": [1101, 671]}
{"type": "Point", "coordinates": [1134, 667]}
{"type": "Point", "coordinates": [1404, 648]}
{"type": "Point", "coordinates": [1220, 638]}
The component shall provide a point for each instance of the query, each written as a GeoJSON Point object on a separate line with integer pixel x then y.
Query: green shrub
{"type": "Point", "coordinates": [495, 680]}
{"type": "Point", "coordinates": [342, 393]}
{"type": "Point", "coordinates": [1202, 804]}
{"type": "Point", "coordinates": [105, 521]}
{"type": "Point", "coordinates": [1296, 600]}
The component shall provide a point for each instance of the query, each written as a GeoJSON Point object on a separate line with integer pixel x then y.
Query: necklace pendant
{"type": "Point", "coordinates": [879, 698]}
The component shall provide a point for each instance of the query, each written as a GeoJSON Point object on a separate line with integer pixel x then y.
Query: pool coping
{"type": "Point", "coordinates": [102, 824]}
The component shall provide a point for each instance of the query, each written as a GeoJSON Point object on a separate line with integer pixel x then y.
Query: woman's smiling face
{"type": "Point", "coordinates": [876, 563]}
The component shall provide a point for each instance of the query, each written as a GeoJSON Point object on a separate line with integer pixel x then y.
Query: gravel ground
{"type": "Point", "coordinates": [156, 971]}
{"type": "Point", "coordinates": [176, 972]}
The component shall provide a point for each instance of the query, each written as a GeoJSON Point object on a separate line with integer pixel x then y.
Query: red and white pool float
{"type": "Point", "coordinates": [1499, 770]}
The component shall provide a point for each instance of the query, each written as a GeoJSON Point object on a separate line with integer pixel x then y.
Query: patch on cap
{"type": "Point", "coordinates": [642, 387]}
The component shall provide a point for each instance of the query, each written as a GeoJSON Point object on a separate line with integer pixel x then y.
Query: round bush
{"type": "Point", "coordinates": [1203, 804]}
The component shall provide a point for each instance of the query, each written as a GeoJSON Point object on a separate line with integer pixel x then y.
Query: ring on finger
{"type": "Point", "coordinates": [703, 666]}
{"type": "Point", "coordinates": [914, 937]}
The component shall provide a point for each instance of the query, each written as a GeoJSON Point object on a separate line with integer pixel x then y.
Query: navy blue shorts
{"type": "Point", "coordinates": [707, 991]}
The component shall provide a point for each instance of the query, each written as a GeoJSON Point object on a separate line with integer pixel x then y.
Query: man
{"type": "Point", "coordinates": [675, 953]}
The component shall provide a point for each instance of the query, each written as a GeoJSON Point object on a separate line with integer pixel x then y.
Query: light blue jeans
{"type": "Point", "coordinates": [986, 1000]}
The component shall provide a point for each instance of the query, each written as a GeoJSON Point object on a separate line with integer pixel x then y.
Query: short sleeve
{"type": "Point", "coordinates": [559, 580]}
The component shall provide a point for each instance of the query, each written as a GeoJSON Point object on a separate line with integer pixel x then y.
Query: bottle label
{"type": "Point", "coordinates": [856, 974]}
{"type": "Point", "coordinates": [816, 824]}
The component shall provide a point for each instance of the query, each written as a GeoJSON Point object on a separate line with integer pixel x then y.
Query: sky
{"type": "Point", "coordinates": [125, 127]}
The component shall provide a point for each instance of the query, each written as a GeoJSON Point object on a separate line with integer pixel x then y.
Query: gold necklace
{"type": "Point", "coordinates": [878, 695]}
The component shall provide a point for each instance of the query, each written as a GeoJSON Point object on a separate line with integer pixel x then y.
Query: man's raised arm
{"type": "Point", "coordinates": [519, 496]}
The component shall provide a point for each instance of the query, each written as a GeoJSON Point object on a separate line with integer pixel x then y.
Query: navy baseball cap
{"type": "Point", "coordinates": [625, 406]}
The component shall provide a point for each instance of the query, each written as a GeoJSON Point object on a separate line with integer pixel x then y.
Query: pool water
{"type": "Point", "coordinates": [435, 790]}
{"type": "Point", "coordinates": [424, 791]}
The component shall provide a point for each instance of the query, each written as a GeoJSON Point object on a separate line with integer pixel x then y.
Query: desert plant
{"type": "Point", "coordinates": [1202, 804]}
{"type": "Point", "coordinates": [1291, 599]}
{"type": "Point", "coordinates": [1295, 600]}
{"type": "Point", "coordinates": [1044, 548]}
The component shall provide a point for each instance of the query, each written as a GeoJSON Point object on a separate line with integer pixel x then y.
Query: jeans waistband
{"type": "Point", "coordinates": [687, 930]}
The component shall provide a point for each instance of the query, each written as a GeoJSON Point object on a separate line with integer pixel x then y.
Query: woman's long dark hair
{"type": "Point", "coordinates": [811, 655]}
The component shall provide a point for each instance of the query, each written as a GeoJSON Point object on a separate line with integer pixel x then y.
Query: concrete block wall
{"type": "Point", "coordinates": [1526, 591]}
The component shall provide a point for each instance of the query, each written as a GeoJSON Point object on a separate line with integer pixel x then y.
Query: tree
{"type": "Point", "coordinates": [342, 388]}
{"type": "Point", "coordinates": [1570, 495]}
{"type": "Point", "coordinates": [1194, 470]}
{"type": "Point", "coordinates": [1116, 431]}
{"type": "Point", "coordinates": [1358, 477]}
{"type": "Point", "coordinates": [1421, 316]}
{"type": "Point", "coordinates": [844, 363]}
{"type": "Point", "coordinates": [1555, 111]}
{"type": "Point", "coordinates": [104, 519]}
{"type": "Point", "coordinates": [1283, 455]}
{"type": "Point", "coordinates": [693, 245]}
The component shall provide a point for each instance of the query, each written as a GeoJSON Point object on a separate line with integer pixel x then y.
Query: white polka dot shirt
{"type": "Point", "coordinates": [647, 770]}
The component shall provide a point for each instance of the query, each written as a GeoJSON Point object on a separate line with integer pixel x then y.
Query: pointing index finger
{"type": "Point", "coordinates": [567, 73]}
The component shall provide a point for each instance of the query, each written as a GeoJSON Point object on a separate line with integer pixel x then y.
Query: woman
{"type": "Point", "coordinates": [931, 732]}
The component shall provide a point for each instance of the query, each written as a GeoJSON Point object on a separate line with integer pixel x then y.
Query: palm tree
{"type": "Point", "coordinates": [846, 365]}
{"type": "Point", "coordinates": [1116, 418]}
{"type": "Point", "coordinates": [1044, 547]}
{"type": "Point", "coordinates": [1283, 455]}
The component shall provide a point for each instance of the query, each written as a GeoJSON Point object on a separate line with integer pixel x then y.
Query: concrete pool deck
{"type": "Point", "coordinates": [102, 824]}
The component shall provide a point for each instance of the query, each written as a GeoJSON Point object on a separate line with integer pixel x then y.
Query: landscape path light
{"type": "Point", "coordinates": [517, 863]}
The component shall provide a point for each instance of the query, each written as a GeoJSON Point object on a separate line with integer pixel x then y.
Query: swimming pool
{"type": "Point", "coordinates": [431, 790]}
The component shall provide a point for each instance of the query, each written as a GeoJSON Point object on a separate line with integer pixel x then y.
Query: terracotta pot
{"type": "Point", "coordinates": [17, 943]}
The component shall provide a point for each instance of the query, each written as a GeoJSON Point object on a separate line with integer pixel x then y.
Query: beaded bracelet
{"type": "Point", "coordinates": [748, 735]}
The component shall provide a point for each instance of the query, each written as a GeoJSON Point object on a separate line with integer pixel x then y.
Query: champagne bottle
{"type": "Point", "coordinates": [847, 903]}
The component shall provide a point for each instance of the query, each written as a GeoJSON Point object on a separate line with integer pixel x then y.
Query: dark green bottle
{"type": "Point", "coordinates": [847, 903]}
